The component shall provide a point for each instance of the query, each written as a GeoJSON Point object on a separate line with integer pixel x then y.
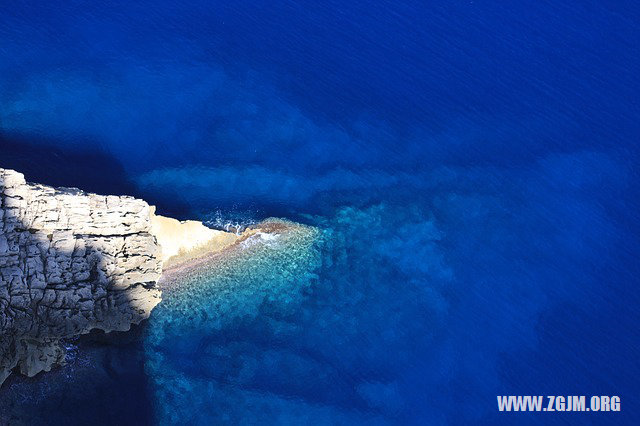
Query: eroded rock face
{"type": "Point", "coordinates": [70, 262]}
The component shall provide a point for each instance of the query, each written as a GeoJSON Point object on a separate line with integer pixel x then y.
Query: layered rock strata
{"type": "Point", "coordinates": [70, 262]}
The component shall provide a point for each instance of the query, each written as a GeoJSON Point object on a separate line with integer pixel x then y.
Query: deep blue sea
{"type": "Point", "coordinates": [470, 169]}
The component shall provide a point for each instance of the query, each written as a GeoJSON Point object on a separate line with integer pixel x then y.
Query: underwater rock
{"type": "Point", "coordinates": [70, 262]}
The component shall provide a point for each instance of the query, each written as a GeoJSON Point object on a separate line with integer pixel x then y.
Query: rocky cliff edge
{"type": "Point", "coordinates": [70, 262]}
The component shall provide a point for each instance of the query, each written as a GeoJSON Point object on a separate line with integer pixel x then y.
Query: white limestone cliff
{"type": "Point", "coordinates": [70, 262]}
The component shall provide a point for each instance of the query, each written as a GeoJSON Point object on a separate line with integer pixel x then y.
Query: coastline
{"type": "Point", "coordinates": [201, 257]}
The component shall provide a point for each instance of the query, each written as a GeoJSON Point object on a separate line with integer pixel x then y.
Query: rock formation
{"type": "Point", "coordinates": [70, 262]}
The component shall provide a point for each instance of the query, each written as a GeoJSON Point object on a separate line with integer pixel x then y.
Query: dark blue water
{"type": "Point", "coordinates": [471, 168]}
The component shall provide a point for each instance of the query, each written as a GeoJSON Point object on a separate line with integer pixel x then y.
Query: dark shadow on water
{"type": "Point", "coordinates": [104, 385]}
{"type": "Point", "coordinates": [49, 161]}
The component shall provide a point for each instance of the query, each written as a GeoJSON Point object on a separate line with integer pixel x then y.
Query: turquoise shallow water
{"type": "Point", "coordinates": [218, 334]}
{"type": "Point", "coordinates": [265, 332]}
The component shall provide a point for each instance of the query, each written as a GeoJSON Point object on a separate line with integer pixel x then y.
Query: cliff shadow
{"type": "Point", "coordinates": [49, 161]}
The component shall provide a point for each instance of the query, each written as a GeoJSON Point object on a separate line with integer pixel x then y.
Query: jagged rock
{"type": "Point", "coordinates": [70, 262]}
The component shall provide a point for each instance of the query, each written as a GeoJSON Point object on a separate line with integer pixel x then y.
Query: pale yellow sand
{"type": "Point", "coordinates": [183, 240]}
